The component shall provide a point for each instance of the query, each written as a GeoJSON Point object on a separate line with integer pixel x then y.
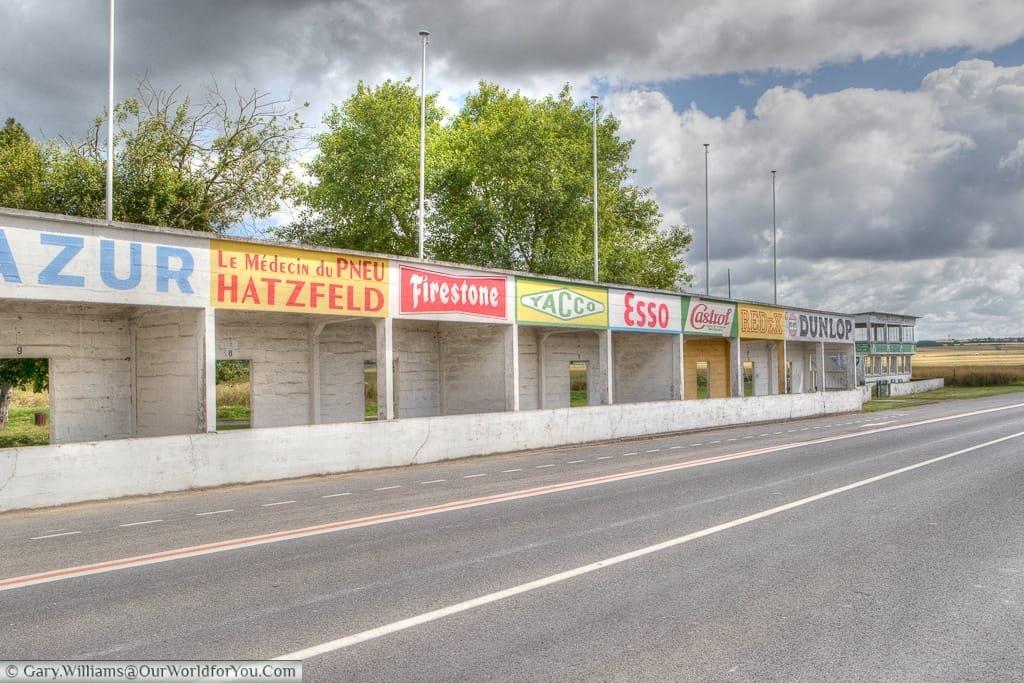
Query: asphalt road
{"type": "Point", "coordinates": [884, 546]}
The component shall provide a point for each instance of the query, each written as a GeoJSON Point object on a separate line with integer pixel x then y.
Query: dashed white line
{"type": "Point", "coordinates": [575, 462]}
{"type": "Point", "coordinates": [540, 466]}
{"type": "Point", "coordinates": [388, 488]}
{"type": "Point", "coordinates": [569, 574]}
{"type": "Point", "coordinates": [66, 533]}
{"type": "Point", "coordinates": [714, 442]}
{"type": "Point", "coordinates": [433, 481]}
{"type": "Point", "coordinates": [337, 495]}
{"type": "Point", "coordinates": [604, 457]}
{"type": "Point", "coordinates": [748, 437]}
{"type": "Point", "coordinates": [283, 502]}
{"type": "Point", "coordinates": [625, 454]}
{"type": "Point", "coordinates": [518, 469]}
{"type": "Point", "coordinates": [473, 476]}
{"type": "Point", "coordinates": [213, 512]}
{"type": "Point", "coordinates": [652, 450]}
{"type": "Point", "coordinates": [674, 448]}
{"type": "Point", "coordinates": [148, 521]}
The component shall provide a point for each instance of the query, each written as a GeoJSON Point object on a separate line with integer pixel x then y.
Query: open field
{"type": "Point", "coordinates": [998, 354]}
{"type": "Point", "coordinates": [992, 364]}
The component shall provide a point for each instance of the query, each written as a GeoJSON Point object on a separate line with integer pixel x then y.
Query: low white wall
{"type": "Point", "coordinates": [54, 475]}
{"type": "Point", "coordinates": [916, 387]}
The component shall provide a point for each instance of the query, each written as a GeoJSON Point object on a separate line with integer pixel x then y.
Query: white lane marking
{"type": "Point", "coordinates": [542, 466]}
{"type": "Point", "coordinates": [388, 488]}
{"type": "Point", "coordinates": [473, 476]}
{"type": "Point", "coordinates": [674, 448]}
{"type": "Point", "coordinates": [213, 512]}
{"type": "Point", "coordinates": [283, 502]}
{"type": "Point", "coordinates": [518, 469]}
{"type": "Point", "coordinates": [66, 533]}
{"type": "Point", "coordinates": [575, 462]}
{"type": "Point", "coordinates": [337, 495]}
{"type": "Point", "coordinates": [433, 481]}
{"type": "Point", "coordinates": [15, 582]}
{"type": "Point", "coordinates": [652, 450]}
{"type": "Point", "coordinates": [434, 615]}
{"type": "Point", "coordinates": [625, 454]}
{"type": "Point", "coordinates": [148, 521]}
{"type": "Point", "coordinates": [714, 442]}
{"type": "Point", "coordinates": [748, 437]}
{"type": "Point", "coordinates": [604, 457]}
{"type": "Point", "coordinates": [878, 424]}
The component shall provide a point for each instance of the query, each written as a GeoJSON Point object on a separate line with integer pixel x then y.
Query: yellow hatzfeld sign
{"type": "Point", "coordinates": [268, 278]}
{"type": "Point", "coordinates": [758, 322]}
{"type": "Point", "coordinates": [540, 302]}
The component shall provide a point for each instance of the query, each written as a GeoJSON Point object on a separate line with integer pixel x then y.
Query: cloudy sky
{"type": "Point", "coordinates": [896, 128]}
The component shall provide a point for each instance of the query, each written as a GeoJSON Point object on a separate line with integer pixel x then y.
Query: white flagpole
{"type": "Point", "coordinates": [110, 122]}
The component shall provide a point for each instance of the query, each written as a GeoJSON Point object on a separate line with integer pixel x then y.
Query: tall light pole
{"type": "Point", "coordinates": [775, 249]}
{"type": "Point", "coordinates": [707, 230]}
{"type": "Point", "coordinates": [110, 121]}
{"type": "Point", "coordinates": [423, 130]}
{"type": "Point", "coordinates": [594, 98]}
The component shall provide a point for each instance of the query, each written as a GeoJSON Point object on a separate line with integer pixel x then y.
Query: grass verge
{"type": "Point", "coordinates": [22, 430]}
{"type": "Point", "coordinates": [943, 394]}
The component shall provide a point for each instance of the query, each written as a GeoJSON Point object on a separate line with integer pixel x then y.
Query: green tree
{"type": "Point", "coordinates": [20, 373]}
{"type": "Point", "coordinates": [206, 166]}
{"type": "Point", "coordinates": [365, 189]}
{"type": "Point", "coordinates": [518, 194]}
{"type": "Point", "coordinates": [509, 182]}
{"type": "Point", "coordinates": [22, 169]}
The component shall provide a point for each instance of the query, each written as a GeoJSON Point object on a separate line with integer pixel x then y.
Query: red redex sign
{"type": "Point", "coordinates": [425, 292]}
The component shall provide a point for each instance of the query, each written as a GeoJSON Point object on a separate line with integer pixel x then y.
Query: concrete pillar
{"type": "Point", "coordinates": [606, 377]}
{"type": "Point", "coordinates": [678, 369]}
{"type": "Point", "coordinates": [316, 329]}
{"type": "Point", "coordinates": [541, 367]}
{"type": "Point", "coordinates": [385, 369]}
{"type": "Point", "coordinates": [512, 367]}
{"type": "Point", "coordinates": [773, 368]}
{"type": "Point", "coordinates": [735, 367]}
{"type": "Point", "coordinates": [851, 366]}
{"type": "Point", "coordinates": [208, 368]}
{"type": "Point", "coordinates": [821, 366]}
{"type": "Point", "coordinates": [785, 369]}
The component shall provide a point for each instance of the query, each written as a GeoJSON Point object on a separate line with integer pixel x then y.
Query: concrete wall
{"type": "Point", "coordinates": [90, 350]}
{"type": "Point", "coordinates": [54, 475]}
{"type": "Point", "coordinates": [557, 349]}
{"type": "Point", "coordinates": [418, 360]}
{"type": "Point", "coordinates": [278, 347]}
{"type": "Point", "coordinates": [646, 366]}
{"type": "Point", "coordinates": [763, 355]}
{"type": "Point", "coordinates": [472, 368]}
{"type": "Point", "coordinates": [915, 387]}
{"type": "Point", "coordinates": [344, 348]}
{"type": "Point", "coordinates": [170, 375]}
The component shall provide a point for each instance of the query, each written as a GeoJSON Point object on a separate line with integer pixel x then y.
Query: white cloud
{"type": "Point", "coordinates": [885, 200]}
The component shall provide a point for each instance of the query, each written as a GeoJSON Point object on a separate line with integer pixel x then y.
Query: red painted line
{"type": "Point", "coordinates": [233, 544]}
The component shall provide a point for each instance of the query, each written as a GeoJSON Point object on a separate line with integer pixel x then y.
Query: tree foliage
{"type": "Point", "coordinates": [509, 181]}
{"type": "Point", "coordinates": [365, 189]}
{"type": "Point", "coordinates": [22, 168]}
{"type": "Point", "coordinates": [205, 166]}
